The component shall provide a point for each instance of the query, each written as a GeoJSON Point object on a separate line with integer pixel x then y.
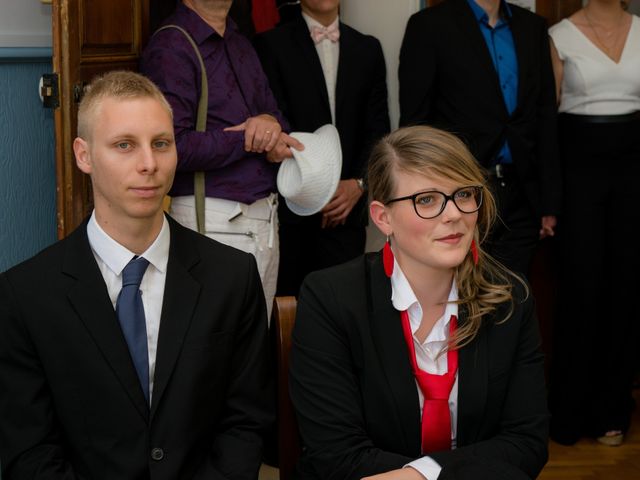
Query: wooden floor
{"type": "Point", "coordinates": [589, 460]}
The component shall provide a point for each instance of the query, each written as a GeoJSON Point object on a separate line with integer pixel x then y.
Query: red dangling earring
{"type": "Point", "coordinates": [387, 258]}
{"type": "Point", "coordinates": [474, 251]}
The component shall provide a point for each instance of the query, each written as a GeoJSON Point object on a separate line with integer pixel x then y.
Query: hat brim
{"type": "Point", "coordinates": [332, 168]}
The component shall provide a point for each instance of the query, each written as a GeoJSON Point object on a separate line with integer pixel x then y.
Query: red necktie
{"type": "Point", "coordinates": [332, 32]}
{"type": "Point", "coordinates": [436, 417]}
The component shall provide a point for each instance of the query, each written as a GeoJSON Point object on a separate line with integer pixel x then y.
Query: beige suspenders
{"type": "Point", "coordinates": [201, 126]}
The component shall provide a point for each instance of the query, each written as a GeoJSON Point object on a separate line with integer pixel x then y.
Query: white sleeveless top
{"type": "Point", "coordinates": [593, 84]}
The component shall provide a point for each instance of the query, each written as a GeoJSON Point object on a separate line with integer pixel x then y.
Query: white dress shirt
{"type": "Point", "coordinates": [113, 257]}
{"type": "Point", "coordinates": [328, 53]}
{"type": "Point", "coordinates": [428, 353]}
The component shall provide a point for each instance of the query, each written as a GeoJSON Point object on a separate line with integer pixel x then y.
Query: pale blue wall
{"type": "Point", "coordinates": [27, 161]}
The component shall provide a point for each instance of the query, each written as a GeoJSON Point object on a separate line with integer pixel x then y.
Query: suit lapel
{"type": "Point", "coordinates": [347, 62]}
{"type": "Point", "coordinates": [521, 39]}
{"type": "Point", "coordinates": [392, 350]}
{"type": "Point", "coordinates": [468, 28]}
{"type": "Point", "coordinates": [181, 294]}
{"type": "Point", "coordinates": [310, 61]}
{"type": "Point", "coordinates": [473, 374]}
{"type": "Point", "coordinates": [90, 299]}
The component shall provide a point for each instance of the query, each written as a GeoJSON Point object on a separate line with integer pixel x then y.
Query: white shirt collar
{"type": "Point", "coordinates": [312, 22]}
{"type": "Point", "coordinates": [116, 256]}
{"type": "Point", "coordinates": [404, 298]}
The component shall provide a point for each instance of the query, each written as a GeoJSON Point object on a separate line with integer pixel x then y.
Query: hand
{"type": "Point", "coordinates": [283, 148]}
{"type": "Point", "coordinates": [336, 211]}
{"type": "Point", "coordinates": [549, 223]}
{"type": "Point", "coordinates": [260, 132]}
{"type": "Point", "coordinates": [408, 473]}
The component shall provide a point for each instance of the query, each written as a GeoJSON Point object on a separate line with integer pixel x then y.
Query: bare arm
{"type": "Point", "coordinates": [558, 68]}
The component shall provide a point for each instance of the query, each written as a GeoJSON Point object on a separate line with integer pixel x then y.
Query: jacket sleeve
{"type": "Point", "coordinates": [236, 450]}
{"type": "Point", "coordinates": [30, 440]}
{"type": "Point", "coordinates": [549, 171]}
{"type": "Point", "coordinates": [416, 72]}
{"type": "Point", "coordinates": [521, 433]}
{"type": "Point", "coordinates": [376, 115]}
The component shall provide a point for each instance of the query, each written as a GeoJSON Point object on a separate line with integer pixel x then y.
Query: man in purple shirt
{"type": "Point", "coordinates": [243, 140]}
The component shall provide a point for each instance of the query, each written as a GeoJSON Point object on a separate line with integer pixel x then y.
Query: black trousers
{"type": "Point", "coordinates": [306, 247]}
{"type": "Point", "coordinates": [515, 234]}
{"type": "Point", "coordinates": [596, 333]}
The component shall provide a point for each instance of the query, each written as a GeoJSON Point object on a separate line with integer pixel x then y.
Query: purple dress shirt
{"type": "Point", "coordinates": [238, 89]}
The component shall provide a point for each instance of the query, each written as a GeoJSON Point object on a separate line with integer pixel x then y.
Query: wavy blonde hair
{"type": "Point", "coordinates": [424, 150]}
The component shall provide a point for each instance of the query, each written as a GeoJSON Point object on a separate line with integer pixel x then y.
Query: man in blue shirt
{"type": "Point", "coordinates": [482, 69]}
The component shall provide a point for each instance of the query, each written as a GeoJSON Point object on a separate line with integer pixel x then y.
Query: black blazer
{"type": "Point", "coordinates": [71, 403]}
{"type": "Point", "coordinates": [291, 63]}
{"type": "Point", "coordinates": [447, 79]}
{"type": "Point", "coordinates": [356, 398]}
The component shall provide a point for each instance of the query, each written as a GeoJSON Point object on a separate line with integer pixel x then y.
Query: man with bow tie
{"type": "Point", "coordinates": [323, 71]}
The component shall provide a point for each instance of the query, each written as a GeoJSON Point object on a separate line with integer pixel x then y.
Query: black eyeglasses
{"type": "Point", "coordinates": [432, 203]}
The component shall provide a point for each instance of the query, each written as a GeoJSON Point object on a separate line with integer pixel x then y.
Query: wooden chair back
{"type": "Point", "coordinates": [284, 315]}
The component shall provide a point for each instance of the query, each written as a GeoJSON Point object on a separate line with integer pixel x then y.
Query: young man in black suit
{"type": "Point", "coordinates": [111, 373]}
{"type": "Point", "coordinates": [482, 69]}
{"type": "Point", "coordinates": [323, 71]}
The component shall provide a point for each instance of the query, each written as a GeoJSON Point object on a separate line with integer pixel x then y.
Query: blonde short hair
{"type": "Point", "coordinates": [119, 84]}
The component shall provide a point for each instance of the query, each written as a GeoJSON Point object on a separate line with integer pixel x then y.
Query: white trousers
{"type": "Point", "coordinates": [250, 228]}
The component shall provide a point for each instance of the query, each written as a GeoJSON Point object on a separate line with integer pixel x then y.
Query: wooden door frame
{"type": "Point", "coordinates": [73, 188]}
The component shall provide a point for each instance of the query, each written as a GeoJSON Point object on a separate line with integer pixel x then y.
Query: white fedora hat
{"type": "Point", "coordinates": [308, 181]}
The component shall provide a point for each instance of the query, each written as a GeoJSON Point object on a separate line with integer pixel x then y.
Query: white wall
{"type": "Point", "coordinates": [385, 20]}
{"type": "Point", "coordinates": [25, 23]}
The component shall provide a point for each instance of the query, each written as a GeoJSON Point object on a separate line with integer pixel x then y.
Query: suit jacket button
{"type": "Point", "coordinates": [157, 454]}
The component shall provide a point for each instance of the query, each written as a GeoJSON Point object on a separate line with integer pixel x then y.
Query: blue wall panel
{"type": "Point", "coordinates": [27, 161]}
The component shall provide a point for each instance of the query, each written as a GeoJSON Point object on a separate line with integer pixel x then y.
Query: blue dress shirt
{"type": "Point", "coordinates": [502, 49]}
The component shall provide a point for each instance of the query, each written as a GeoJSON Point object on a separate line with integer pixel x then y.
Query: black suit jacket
{"type": "Point", "coordinates": [71, 404]}
{"type": "Point", "coordinates": [291, 63]}
{"type": "Point", "coordinates": [447, 79]}
{"type": "Point", "coordinates": [356, 398]}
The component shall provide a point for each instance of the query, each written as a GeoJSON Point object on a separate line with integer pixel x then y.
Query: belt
{"type": "Point", "coordinates": [599, 119]}
{"type": "Point", "coordinates": [501, 170]}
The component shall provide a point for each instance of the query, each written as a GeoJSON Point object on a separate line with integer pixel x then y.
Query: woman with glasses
{"type": "Point", "coordinates": [422, 360]}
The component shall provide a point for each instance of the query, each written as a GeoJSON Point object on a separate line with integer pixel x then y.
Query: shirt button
{"type": "Point", "coordinates": [157, 454]}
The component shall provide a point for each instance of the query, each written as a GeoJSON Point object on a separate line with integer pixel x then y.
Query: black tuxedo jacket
{"type": "Point", "coordinates": [356, 398]}
{"type": "Point", "coordinates": [71, 404]}
{"type": "Point", "coordinates": [291, 63]}
{"type": "Point", "coordinates": [447, 79]}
